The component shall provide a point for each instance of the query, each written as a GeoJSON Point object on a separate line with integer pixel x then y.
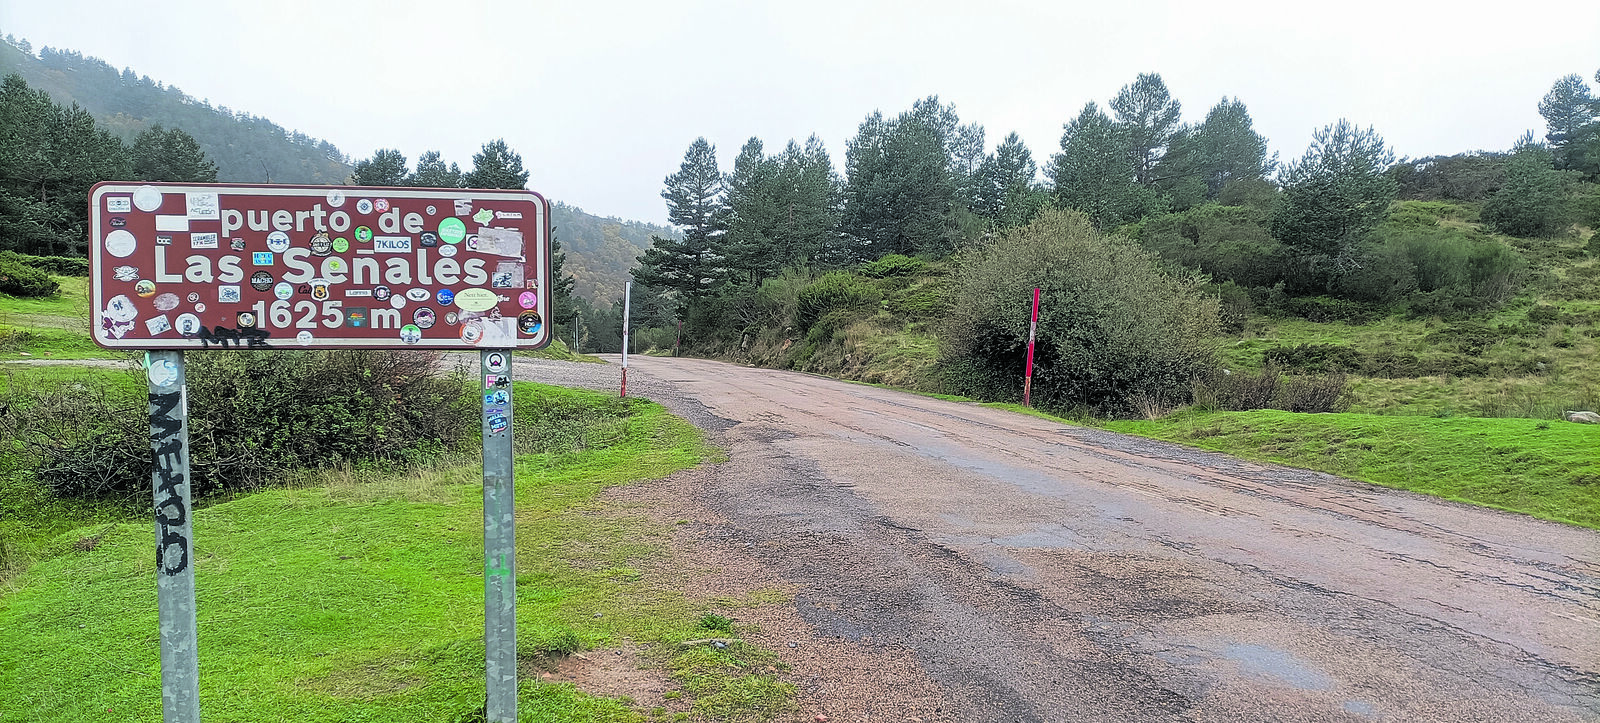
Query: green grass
{"type": "Point", "coordinates": [54, 327]}
{"type": "Point", "coordinates": [360, 599]}
{"type": "Point", "coordinates": [1546, 469]}
{"type": "Point", "coordinates": [559, 351]}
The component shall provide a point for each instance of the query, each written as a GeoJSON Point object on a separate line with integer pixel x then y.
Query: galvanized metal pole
{"type": "Point", "coordinates": [169, 443]}
{"type": "Point", "coordinates": [499, 540]}
{"type": "Point", "coordinates": [627, 311]}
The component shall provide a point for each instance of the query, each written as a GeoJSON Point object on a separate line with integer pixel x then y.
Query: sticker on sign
{"type": "Point", "coordinates": [281, 279]}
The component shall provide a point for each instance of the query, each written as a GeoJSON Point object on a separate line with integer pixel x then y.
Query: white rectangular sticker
{"type": "Point", "coordinates": [119, 204]}
{"type": "Point", "coordinates": [391, 244]}
{"type": "Point", "coordinates": [172, 223]}
{"type": "Point", "coordinates": [498, 241]}
{"type": "Point", "coordinates": [202, 206]}
{"type": "Point", "coordinates": [202, 240]}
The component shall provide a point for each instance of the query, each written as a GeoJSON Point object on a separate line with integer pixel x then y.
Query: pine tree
{"type": "Point", "coordinates": [386, 167]}
{"type": "Point", "coordinates": [900, 196]}
{"type": "Point", "coordinates": [433, 173]}
{"type": "Point", "coordinates": [1007, 194]}
{"type": "Point", "coordinates": [809, 205]}
{"type": "Point", "coordinates": [1094, 171]}
{"type": "Point", "coordinates": [749, 248]}
{"type": "Point", "coordinates": [689, 267]}
{"type": "Point", "coordinates": [496, 166]}
{"type": "Point", "coordinates": [170, 155]}
{"type": "Point", "coordinates": [1148, 116]}
{"type": "Point", "coordinates": [1333, 198]}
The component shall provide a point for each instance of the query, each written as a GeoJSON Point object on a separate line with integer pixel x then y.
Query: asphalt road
{"type": "Point", "coordinates": [1044, 572]}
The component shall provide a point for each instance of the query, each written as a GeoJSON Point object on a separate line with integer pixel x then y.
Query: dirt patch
{"type": "Point", "coordinates": [843, 680]}
{"type": "Point", "coordinates": [614, 672]}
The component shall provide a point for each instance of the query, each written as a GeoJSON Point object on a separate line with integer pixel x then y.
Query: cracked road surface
{"type": "Point", "coordinates": [1043, 572]}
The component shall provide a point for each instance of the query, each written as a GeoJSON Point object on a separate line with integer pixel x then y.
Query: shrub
{"type": "Point", "coordinates": [252, 417]}
{"type": "Point", "coordinates": [835, 291]}
{"type": "Point", "coordinates": [1112, 323]}
{"type": "Point", "coordinates": [891, 265]}
{"type": "Point", "coordinates": [1271, 389]}
{"type": "Point", "coordinates": [19, 279]}
{"type": "Point", "coordinates": [1229, 243]}
{"type": "Point", "coordinates": [60, 265]}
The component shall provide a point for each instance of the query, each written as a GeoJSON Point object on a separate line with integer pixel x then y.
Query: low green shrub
{"type": "Point", "coordinates": [17, 278]}
{"type": "Point", "coordinates": [253, 415]}
{"type": "Point", "coordinates": [1270, 388]}
{"type": "Point", "coordinates": [891, 265]}
{"type": "Point", "coordinates": [59, 265]}
{"type": "Point", "coordinates": [835, 291]}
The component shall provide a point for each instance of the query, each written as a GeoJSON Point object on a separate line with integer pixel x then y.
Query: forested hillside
{"type": "Point", "coordinates": [601, 250]}
{"type": "Point", "coordinates": [246, 148]}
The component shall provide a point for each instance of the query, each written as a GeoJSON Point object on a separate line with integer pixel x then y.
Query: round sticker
{"type": "Point", "coordinates": [247, 320]}
{"type": "Point", "coordinates": [495, 363]}
{"type": "Point", "coordinates": [163, 372]}
{"type": "Point", "coordinates": [450, 318]}
{"type": "Point", "coordinates": [120, 243]}
{"type": "Point", "coordinates": [445, 296]}
{"type": "Point", "coordinates": [283, 290]}
{"type": "Point", "coordinates": [380, 205]}
{"type": "Point", "coordinates": [452, 230]}
{"type": "Point", "coordinates": [364, 205]}
{"type": "Point", "coordinates": [432, 210]}
{"type": "Point", "coordinates": [341, 245]}
{"type": "Point", "coordinates": [336, 198]}
{"type": "Point", "coordinates": [381, 293]}
{"type": "Point", "coordinates": [447, 251]}
{"type": "Point", "coordinates": [423, 317]}
{"type": "Point", "coordinates": [429, 239]}
{"type": "Point", "coordinates": [261, 281]}
{"type": "Point", "coordinates": [304, 338]}
{"type": "Point", "coordinates": [418, 295]}
{"type": "Point", "coordinates": [476, 299]}
{"type": "Point", "coordinates": [410, 333]}
{"type": "Point", "coordinates": [397, 301]}
{"type": "Point", "coordinates": [335, 265]}
{"type": "Point", "coordinates": [277, 242]}
{"type": "Point", "coordinates": [193, 297]}
{"type": "Point", "coordinates": [166, 302]}
{"type": "Point", "coordinates": [145, 287]}
{"type": "Point", "coordinates": [147, 198]}
{"type": "Point", "coordinates": [472, 332]}
{"type": "Point", "coordinates": [528, 322]}
{"type": "Point", "coordinates": [528, 300]}
{"type": "Point", "coordinates": [187, 324]}
{"type": "Point", "coordinates": [363, 234]}
{"type": "Point", "coordinates": [201, 308]}
{"type": "Point", "coordinates": [321, 245]}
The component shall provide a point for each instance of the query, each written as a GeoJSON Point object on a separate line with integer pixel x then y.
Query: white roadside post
{"type": "Point", "coordinates": [627, 310]}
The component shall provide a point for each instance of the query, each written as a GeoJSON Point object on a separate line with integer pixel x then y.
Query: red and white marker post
{"type": "Point", "coordinates": [1033, 329]}
{"type": "Point", "coordinates": [627, 310]}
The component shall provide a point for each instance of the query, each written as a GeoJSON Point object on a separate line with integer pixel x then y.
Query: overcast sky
{"type": "Point", "coordinates": [602, 98]}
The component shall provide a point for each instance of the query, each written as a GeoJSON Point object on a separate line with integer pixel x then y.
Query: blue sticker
{"type": "Point", "coordinates": [498, 423]}
{"type": "Point", "coordinates": [446, 296]}
{"type": "Point", "coordinates": [261, 258]}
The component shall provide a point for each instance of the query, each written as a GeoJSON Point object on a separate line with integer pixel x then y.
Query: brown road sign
{"type": "Point", "coordinates": [176, 266]}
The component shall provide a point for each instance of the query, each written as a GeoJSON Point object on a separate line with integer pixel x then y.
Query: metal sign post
{"type": "Point", "coordinates": [169, 442]}
{"type": "Point", "coordinates": [499, 540]}
{"type": "Point", "coordinates": [627, 310]}
{"type": "Point", "coordinates": [1033, 328]}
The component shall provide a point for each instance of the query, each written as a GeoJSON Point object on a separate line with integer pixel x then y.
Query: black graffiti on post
{"type": "Point", "coordinates": [171, 511]}
{"type": "Point", "coordinates": [250, 338]}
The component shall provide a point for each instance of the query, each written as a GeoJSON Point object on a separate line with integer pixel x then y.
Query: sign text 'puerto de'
{"type": "Point", "coordinates": [194, 267]}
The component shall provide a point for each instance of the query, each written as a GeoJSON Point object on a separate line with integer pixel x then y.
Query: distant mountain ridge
{"type": "Point", "coordinates": [251, 149]}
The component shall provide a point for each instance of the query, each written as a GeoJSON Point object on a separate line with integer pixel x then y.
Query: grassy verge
{"type": "Point", "coordinates": [1545, 469]}
{"type": "Point", "coordinates": [559, 351]}
{"type": "Point", "coordinates": [54, 327]}
{"type": "Point", "coordinates": [360, 597]}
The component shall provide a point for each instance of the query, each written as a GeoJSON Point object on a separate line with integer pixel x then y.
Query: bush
{"type": "Point", "coordinates": [1229, 243]}
{"type": "Point", "coordinates": [835, 291]}
{"type": "Point", "coordinates": [1271, 389]}
{"type": "Point", "coordinates": [19, 279]}
{"type": "Point", "coordinates": [891, 265]}
{"type": "Point", "coordinates": [1113, 325]}
{"type": "Point", "coordinates": [252, 417]}
{"type": "Point", "coordinates": [59, 265]}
